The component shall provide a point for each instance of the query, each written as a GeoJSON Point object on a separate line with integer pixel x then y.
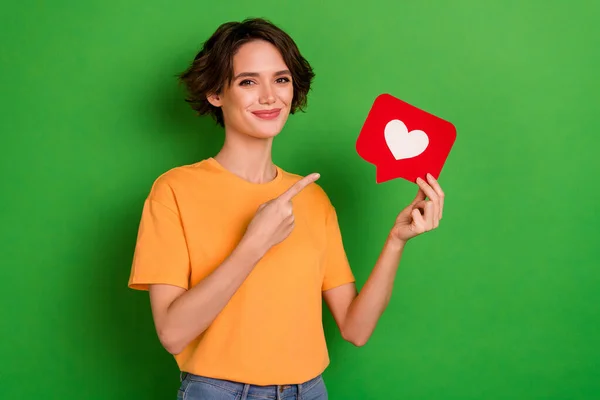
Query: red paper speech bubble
{"type": "Point", "coordinates": [403, 141]}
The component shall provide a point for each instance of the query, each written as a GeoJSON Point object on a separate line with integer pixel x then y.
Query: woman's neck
{"type": "Point", "coordinates": [248, 157]}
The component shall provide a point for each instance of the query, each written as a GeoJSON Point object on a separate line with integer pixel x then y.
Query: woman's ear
{"type": "Point", "coordinates": [214, 99]}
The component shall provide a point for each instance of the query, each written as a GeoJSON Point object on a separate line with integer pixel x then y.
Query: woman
{"type": "Point", "coordinates": [237, 254]}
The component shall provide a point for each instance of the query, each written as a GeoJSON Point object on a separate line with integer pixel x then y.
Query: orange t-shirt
{"type": "Point", "coordinates": [271, 330]}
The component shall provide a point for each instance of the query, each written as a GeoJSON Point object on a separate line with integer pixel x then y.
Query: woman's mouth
{"type": "Point", "coordinates": [267, 114]}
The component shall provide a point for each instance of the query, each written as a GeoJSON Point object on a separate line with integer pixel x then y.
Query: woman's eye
{"type": "Point", "coordinates": [248, 82]}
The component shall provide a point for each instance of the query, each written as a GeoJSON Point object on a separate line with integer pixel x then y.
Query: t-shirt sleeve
{"type": "Point", "coordinates": [337, 268]}
{"type": "Point", "coordinates": [161, 254]}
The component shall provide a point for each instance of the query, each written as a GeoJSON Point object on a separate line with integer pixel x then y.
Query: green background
{"type": "Point", "coordinates": [501, 302]}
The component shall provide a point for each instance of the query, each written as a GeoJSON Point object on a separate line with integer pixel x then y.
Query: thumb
{"type": "Point", "coordinates": [420, 205]}
{"type": "Point", "coordinates": [419, 197]}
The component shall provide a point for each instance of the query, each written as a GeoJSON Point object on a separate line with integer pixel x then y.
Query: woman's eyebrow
{"type": "Point", "coordinates": [256, 74]}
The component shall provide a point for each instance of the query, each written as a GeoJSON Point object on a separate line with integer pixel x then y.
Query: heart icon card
{"type": "Point", "coordinates": [403, 141]}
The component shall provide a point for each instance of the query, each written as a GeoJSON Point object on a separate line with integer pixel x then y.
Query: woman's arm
{"type": "Point", "coordinates": [357, 314]}
{"type": "Point", "coordinates": [180, 316]}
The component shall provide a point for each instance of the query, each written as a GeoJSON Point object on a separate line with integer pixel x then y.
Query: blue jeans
{"type": "Point", "coordinates": [194, 387]}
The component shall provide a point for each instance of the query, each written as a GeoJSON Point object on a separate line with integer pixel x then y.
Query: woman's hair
{"type": "Point", "coordinates": [212, 68]}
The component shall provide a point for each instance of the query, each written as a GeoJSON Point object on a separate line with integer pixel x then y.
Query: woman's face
{"type": "Point", "coordinates": [258, 100]}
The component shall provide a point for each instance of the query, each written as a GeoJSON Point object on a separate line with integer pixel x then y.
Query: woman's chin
{"type": "Point", "coordinates": [268, 130]}
{"type": "Point", "coordinates": [264, 134]}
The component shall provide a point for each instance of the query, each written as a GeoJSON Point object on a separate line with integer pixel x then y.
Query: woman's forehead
{"type": "Point", "coordinates": [258, 57]}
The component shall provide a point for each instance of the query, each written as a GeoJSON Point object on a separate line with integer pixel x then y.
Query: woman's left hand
{"type": "Point", "coordinates": [421, 215]}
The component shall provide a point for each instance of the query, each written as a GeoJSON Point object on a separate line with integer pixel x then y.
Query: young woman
{"type": "Point", "coordinates": [237, 254]}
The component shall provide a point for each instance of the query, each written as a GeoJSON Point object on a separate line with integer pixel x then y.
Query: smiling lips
{"type": "Point", "coordinates": [267, 114]}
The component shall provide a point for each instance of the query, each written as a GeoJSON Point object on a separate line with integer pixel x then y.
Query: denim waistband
{"type": "Point", "coordinates": [266, 392]}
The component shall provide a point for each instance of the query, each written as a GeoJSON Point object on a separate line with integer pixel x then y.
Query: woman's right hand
{"type": "Point", "coordinates": [274, 220]}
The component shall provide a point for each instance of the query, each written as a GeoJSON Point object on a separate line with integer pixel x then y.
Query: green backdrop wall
{"type": "Point", "coordinates": [501, 302]}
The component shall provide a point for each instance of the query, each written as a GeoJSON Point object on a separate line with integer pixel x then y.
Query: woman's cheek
{"type": "Point", "coordinates": [287, 94]}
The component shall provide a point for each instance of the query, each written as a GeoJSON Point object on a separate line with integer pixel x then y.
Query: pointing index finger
{"type": "Point", "coordinates": [298, 187]}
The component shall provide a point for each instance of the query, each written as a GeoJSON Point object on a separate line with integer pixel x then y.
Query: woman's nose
{"type": "Point", "coordinates": [267, 95]}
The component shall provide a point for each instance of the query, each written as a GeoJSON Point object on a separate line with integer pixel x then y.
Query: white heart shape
{"type": "Point", "coordinates": [402, 143]}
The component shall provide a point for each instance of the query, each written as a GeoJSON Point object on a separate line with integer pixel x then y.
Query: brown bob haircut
{"type": "Point", "coordinates": [212, 68]}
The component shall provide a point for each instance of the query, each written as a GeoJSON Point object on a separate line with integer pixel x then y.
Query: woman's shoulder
{"type": "Point", "coordinates": [179, 178]}
{"type": "Point", "coordinates": [314, 193]}
{"type": "Point", "coordinates": [183, 172]}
